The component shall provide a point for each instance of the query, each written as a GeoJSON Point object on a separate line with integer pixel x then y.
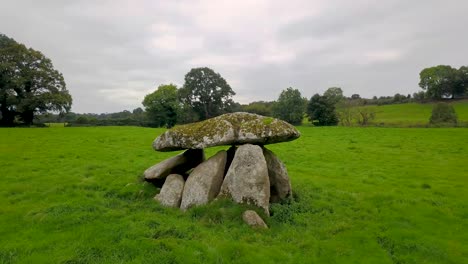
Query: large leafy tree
{"type": "Point", "coordinates": [290, 106]}
{"type": "Point", "coordinates": [162, 106]}
{"type": "Point", "coordinates": [321, 111]}
{"type": "Point", "coordinates": [441, 81]}
{"type": "Point", "coordinates": [206, 92]}
{"type": "Point", "coordinates": [29, 84]}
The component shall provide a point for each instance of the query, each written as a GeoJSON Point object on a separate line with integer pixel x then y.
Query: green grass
{"type": "Point", "coordinates": [362, 195]}
{"type": "Point", "coordinates": [413, 114]}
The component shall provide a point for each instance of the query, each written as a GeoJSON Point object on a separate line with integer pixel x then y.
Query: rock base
{"type": "Point", "coordinates": [248, 174]}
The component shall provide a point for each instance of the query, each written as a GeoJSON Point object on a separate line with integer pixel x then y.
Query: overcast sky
{"type": "Point", "coordinates": [114, 52]}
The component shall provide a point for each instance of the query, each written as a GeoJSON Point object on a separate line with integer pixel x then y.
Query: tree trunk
{"type": "Point", "coordinates": [206, 111]}
{"type": "Point", "coordinates": [8, 117]}
{"type": "Point", "coordinates": [27, 117]}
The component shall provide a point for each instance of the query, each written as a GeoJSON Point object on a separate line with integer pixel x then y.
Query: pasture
{"type": "Point", "coordinates": [361, 195]}
{"type": "Point", "coordinates": [413, 114]}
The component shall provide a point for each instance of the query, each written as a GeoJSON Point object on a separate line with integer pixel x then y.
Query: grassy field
{"type": "Point", "coordinates": [362, 195]}
{"type": "Point", "coordinates": [413, 114]}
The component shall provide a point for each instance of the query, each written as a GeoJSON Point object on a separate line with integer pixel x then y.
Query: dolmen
{"type": "Point", "coordinates": [247, 172]}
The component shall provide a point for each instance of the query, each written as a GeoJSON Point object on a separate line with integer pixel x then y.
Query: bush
{"type": "Point", "coordinates": [443, 113]}
{"type": "Point", "coordinates": [365, 115]}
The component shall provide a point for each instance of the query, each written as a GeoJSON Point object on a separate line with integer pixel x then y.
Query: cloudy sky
{"type": "Point", "coordinates": [114, 52]}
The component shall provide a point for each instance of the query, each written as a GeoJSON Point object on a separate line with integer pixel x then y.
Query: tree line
{"type": "Point", "coordinates": [32, 91]}
{"type": "Point", "coordinates": [202, 98]}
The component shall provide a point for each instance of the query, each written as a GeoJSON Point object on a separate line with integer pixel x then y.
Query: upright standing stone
{"type": "Point", "coordinates": [171, 192]}
{"type": "Point", "coordinates": [279, 179]}
{"type": "Point", "coordinates": [204, 182]}
{"type": "Point", "coordinates": [247, 178]}
{"type": "Point", "coordinates": [177, 164]}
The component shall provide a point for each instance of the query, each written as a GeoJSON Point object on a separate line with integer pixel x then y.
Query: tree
{"type": "Point", "coordinates": [290, 106]}
{"type": "Point", "coordinates": [187, 114]}
{"type": "Point", "coordinates": [400, 98]}
{"type": "Point", "coordinates": [321, 111]}
{"type": "Point", "coordinates": [443, 113]}
{"type": "Point", "coordinates": [364, 115]}
{"type": "Point", "coordinates": [334, 94]}
{"type": "Point", "coordinates": [138, 114]}
{"type": "Point", "coordinates": [355, 96]}
{"type": "Point", "coordinates": [440, 81]}
{"type": "Point", "coordinates": [206, 92]}
{"type": "Point", "coordinates": [29, 84]}
{"type": "Point", "coordinates": [162, 105]}
{"type": "Point", "coordinates": [346, 112]}
{"type": "Point", "coordinates": [354, 112]}
{"type": "Point", "coordinates": [419, 96]}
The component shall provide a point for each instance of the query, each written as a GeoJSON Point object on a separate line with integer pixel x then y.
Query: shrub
{"type": "Point", "coordinates": [443, 113]}
{"type": "Point", "coordinates": [365, 115]}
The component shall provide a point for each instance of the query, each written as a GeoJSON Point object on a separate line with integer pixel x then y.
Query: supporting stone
{"type": "Point", "coordinates": [177, 164]}
{"type": "Point", "coordinates": [247, 178]}
{"type": "Point", "coordinates": [171, 192]}
{"type": "Point", "coordinates": [204, 183]}
{"type": "Point", "coordinates": [279, 179]}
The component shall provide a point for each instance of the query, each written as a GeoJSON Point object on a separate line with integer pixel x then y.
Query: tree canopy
{"type": "Point", "coordinates": [162, 106]}
{"type": "Point", "coordinates": [334, 94]}
{"type": "Point", "coordinates": [444, 81]}
{"type": "Point", "coordinates": [29, 84]}
{"type": "Point", "coordinates": [290, 106]}
{"type": "Point", "coordinates": [206, 92]}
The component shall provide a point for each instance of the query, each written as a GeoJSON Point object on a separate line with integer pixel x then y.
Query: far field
{"type": "Point", "coordinates": [362, 195]}
{"type": "Point", "coordinates": [413, 114]}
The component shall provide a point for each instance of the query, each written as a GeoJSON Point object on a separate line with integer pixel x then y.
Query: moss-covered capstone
{"type": "Point", "coordinates": [228, 129]}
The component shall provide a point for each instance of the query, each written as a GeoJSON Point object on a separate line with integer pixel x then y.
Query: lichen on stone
{"type": "Point", "coordinates": [267, 120]}
{"type": "Point", "coordinates": [227, 129]}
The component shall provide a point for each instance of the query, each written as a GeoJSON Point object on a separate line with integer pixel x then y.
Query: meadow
{"type": "Point", "coordinates": [361, 195]}
{"type": "Point", "coordinates": [413, 114]}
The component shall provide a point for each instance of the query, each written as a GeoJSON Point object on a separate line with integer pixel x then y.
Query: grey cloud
{"type": "Point", "coordinates": [114, 52]}
{"type": "Point", "coordinates": [341, 18]}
